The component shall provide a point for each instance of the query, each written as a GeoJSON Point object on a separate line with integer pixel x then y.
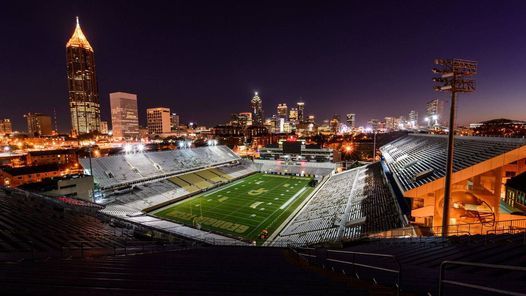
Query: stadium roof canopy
{"type": "Point", "coordinates": [416, 160]}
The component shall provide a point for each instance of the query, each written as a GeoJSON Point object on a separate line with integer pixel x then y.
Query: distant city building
{"type": "Point", "coordinates": [82, 84]}
{"type": "Point", "coordinates": [124, 115]}
{"type": "Point", "coordinates": [311, 119]}
{"type": "Point", "coordinates": [413, 119]}
{"type": "Point", "coordinates": [390, 123]}
{"type": "Point", "coordinates": [375, 124]}
{"type": "Point", "coordinates": [281, 125]}
{"type": "Point", "coordinates": [301, 111]}
{"type": "Point", "coordinates": [283, 111]}
{"type": "Point", "coordinates": [500, 128]}
{"type": "Point", "coordinates": [158, 120]}
{"type": "Point", "coordinates": [293, 115]}
{"type": "Point", "coordinates": [256, 107]}
{"type": "Point", "coordinates": [174, 122]}
{"type": "Point", "coordinates": [245, 119]}
{"type": "Point", "coordinates": [6, 127]}
{"type": "Point", "coordinates": [104, 127]}
{"type": "Point", "coordinates": [351, 120]}
{"type": "Point", "coordinates": [434, 112]}
{"type": "Point", "coordinates": [16, 176]}
{"type": "Point", "coordinates": [38, 124]}
{"type": "Point", "coordinates": [334, 123]}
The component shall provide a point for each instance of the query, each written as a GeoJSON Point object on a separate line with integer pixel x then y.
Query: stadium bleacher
{"type": "Point", "coordinates": [318, 169]}
{"type": "Point", "coordinates": [120, 170]}
{"type": "Point", "coordinates": [420, 260]}
{"type": "Point", "coordinates": [409, 156]}
{"type": "Point", "coordinates": [205, 271]}
{"type": "Point", "coordinates": [31, 224]}
{"type": "Point", "coordinates": [348, 206]}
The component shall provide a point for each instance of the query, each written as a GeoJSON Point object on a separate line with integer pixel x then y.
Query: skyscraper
{"type": "Point", "coordinates": [351, 120]}
{"type": "Point", "coordinates": [6, 127]}
{"type": "Point", "coordinates": [174, 122]}
{"type": "Point", "coordinates": [293, 115]}
{"type": "Point", "coordinates": [82, 84]}
{"type": "Point", "coordinates": [301, 108]}
{"type": "Point", "coordinates": [38, 124]}
{"type": "Point", "coordinates": [158, 120]}
{"type": "Point", "coordinates": [124, 115]}
{"type": "Point", "coordinates": [282, 111]}
{"type": "Point", "coordinates": [256, 106]}
{"type": "Point", "coordinates": [435, 112]}
{"type": "Point", "coordinates": [104, 127]}
{"type": "Point", "coordinates": [413, 119]}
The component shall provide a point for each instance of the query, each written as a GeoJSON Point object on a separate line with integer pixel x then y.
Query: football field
{"type": "Point", "coordinates": [244, 209]}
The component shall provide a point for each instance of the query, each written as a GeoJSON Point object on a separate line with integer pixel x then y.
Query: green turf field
{"type": "Point", "coordinates": [243, 208]}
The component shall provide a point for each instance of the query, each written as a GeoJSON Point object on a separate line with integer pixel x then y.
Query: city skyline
{"type": "Point", "coordinates": [131, 57]}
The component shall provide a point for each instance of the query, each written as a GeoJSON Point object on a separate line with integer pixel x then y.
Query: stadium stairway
{"type": "Point", "coordinates": [200, 271]}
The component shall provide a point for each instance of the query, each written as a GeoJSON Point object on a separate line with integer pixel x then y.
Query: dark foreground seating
{"type": "Point", "coordinates": [203, 271]}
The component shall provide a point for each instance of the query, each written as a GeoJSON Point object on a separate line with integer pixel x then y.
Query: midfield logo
{"type": "Point", "coordinates": [257, 191]}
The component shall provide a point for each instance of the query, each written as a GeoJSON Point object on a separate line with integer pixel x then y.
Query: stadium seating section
{"type": "Point", "coordinates": [417, 153]}
{"type": "Point", "coordinates": [150, 194]}
{"type": "Point", "coordinates": [32, 224]}
{"type": "Point", "coordinates": [420, 260]}
{"type": "Point", "coordinates": [348, 206]}
{"type": "Point", "coordinates": [306, 168]}
{"type": "Point", "coordinates": [255, 271]}
{"type": "Point", "coordinates": [118, 170]}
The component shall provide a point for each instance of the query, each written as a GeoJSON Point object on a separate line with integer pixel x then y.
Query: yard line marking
{"type": "Point", "coordinates": [293, 198]}
{"type": "Point", "coordinates": [220, 188]}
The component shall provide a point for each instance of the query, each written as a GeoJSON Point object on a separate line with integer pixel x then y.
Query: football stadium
{"type": "Point", "coordinates": [375, 227]}
{"type": "Point", "coordinates": [251, 208]}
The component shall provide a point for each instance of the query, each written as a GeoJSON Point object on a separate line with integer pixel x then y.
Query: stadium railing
{"type": "Point", "coordinates": [504, 226]}
{"type": "Point", "coordinates": [442, 277]}
{"type": "Point", "coordinates": [84, 248]}
{"type": "Point", "coordinates": [321, 257]}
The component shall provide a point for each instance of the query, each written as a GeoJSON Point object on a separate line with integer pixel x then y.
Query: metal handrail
{"type": "Point", "coordinates": [398, 271]}
{"type": "Point", "coordinates": [482, 227]}
{"type": "Point", "coordinates": [442, 280]}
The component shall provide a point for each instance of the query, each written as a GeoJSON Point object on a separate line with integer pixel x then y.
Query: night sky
{"type": "Point", "coordinates": [205, 59]}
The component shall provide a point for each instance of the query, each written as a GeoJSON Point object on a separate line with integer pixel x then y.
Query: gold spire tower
{"type": "Point", "coordinates": [82, 84]}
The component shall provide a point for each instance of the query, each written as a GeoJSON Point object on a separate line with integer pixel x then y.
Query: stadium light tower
{"type": "Point", "coordinates": [453, 77]}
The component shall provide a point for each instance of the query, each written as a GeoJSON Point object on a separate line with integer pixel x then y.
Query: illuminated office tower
{"type": "Point", "coordinates": [158, 120]}
{"type": "Point", "coordinates": [282, 111]}
{"type": "Point", "coordinates": [301, 108]}
{"type": "Point", "coordinates": [413, 119]}
{"type": "Point", "coordinates": [435, 112]}
{"type": "Point", "coordinates": [256, 107]}
{"type": "Point", "coordinates": [38, 124]}
{"type": "Point", "coordinates": [174, 122]}
{"type": "Point", "coordinates": [6, 127]}
{"type": "Point", "coordinates": [293, 115]}
{"type": "Point", "coordinates": [104, 127]}
{"type": "Point", "coordinates": [351, 120]}
{"type": "Point", "coordinates": [124, 115]}
{"type": "Point", "coordinates": [82, 84]}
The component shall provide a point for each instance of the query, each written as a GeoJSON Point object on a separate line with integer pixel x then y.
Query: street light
{"type": "Point", "coordinates": [453, 78]}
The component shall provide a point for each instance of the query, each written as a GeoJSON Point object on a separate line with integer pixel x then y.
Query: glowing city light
{"type": "Point", "coordinates": [128, 148]}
